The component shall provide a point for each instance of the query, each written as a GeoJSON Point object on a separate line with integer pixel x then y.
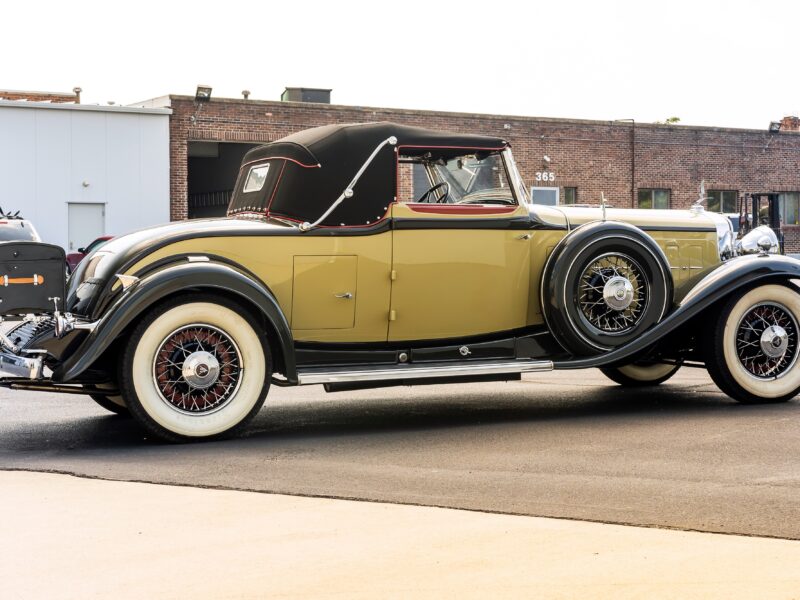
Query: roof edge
{"type": "Point", "coordinates": [411, 112]}
{"type": "Point", "coordinates": [84, 107]}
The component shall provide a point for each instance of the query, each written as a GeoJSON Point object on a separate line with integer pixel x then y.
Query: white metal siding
{"type": "Point", "coordinates": [46, 155]}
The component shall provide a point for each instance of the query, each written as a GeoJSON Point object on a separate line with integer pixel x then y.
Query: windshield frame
{"type": "Point", "coordinates": [515, 177]}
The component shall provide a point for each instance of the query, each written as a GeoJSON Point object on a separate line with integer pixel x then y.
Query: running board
{"type": "Point", "coordinates": [420, 371]}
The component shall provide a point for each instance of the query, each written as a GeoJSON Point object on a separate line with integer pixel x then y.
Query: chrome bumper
{"type": "Point", "coordinates": [23, 367]}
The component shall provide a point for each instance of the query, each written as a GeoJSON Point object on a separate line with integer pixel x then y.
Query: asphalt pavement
{"type": "Point", "coordinates": [567, 444]}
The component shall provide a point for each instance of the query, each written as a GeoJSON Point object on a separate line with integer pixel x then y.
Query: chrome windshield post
{"type": "Point", "coordinates": [514, 177]}
{"type": "Point", "coordinates": [348, 191]}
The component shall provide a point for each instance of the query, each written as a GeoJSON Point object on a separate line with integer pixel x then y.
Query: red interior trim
{"type": "Point", "coordinates": [372, 224]}
{"type": "Point", "coordinates": [275, 189]}
{"type": "Point", "coordinates": [461, 209]}
{"type": "Point", "coordinates": [264, 160]}
{"type": "Point", "coordinates": [452, 147]}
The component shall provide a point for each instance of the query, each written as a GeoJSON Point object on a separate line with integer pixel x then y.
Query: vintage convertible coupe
{"type": "Point", "coordinates": [378, 254]}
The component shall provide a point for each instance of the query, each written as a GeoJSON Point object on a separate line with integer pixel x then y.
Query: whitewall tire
{"type": "Point", "coordinates": [752, 351]}
{"type": "Point", "coordinates": [195, 368]}
{"type": "Point", "coordinates": [640, 375]}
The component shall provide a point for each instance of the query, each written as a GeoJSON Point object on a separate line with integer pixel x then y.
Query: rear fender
{"type": "Point", "coordinates": [730, 277]}
{"type": "Point", "coordinates": [207, 276]}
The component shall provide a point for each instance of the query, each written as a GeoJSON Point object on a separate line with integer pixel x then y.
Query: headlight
{"type": "Point", "coordinates": [761, 239]}
{"type": "Point", "coordinates": [725, 236]}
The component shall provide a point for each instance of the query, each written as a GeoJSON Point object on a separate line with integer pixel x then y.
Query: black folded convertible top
{"type": "Point", "coordinates": [309, 169]}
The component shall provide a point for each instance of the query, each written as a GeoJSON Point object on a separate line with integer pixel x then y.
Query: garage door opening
{"type": "Point", "coordinates": [212, 170]}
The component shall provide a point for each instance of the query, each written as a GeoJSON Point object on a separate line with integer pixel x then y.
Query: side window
{"type": "Point", "coordinates": [475, 178]}
{"type": "Point", "coordinates": [412, 181]}
{"type": "Point", "coordinates": [255, 178]}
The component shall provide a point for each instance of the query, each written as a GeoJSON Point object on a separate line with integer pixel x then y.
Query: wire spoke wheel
{"type": "Point", "coordinates": [613, 293]}
{"type": "Point", "coordinates": [766, 340]}
{"type": "Point", "coordinates": [197, 369]}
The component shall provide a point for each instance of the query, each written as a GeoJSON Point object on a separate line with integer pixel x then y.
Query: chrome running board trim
{"type": "Point", "coordinates": [310, 376]}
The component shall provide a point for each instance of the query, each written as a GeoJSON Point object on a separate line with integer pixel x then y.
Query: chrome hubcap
{"type": "Point", "coordinates": [618, 293]}
{"type": "Point", "coordinates": [197, 369]}
{"type": "Point", "coordinates": [774, 341]}
{"type": "Point", "coordinates": [613, 294]}
{"type": "Point", "coordinates": [200, 369]}
{"type": "Point", "coordinates": [766, 340]}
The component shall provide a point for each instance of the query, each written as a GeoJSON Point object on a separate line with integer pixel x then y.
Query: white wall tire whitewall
{"type": "Point", "coordinates": [165, 414]}
{"type": "Point", "coordinates": [641, 375]}
{"type": "Point", "coordinates": [725, 346]}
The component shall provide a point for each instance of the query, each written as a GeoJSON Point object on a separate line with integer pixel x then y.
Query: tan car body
{"type": "Point", "coordinates": [424, 284]}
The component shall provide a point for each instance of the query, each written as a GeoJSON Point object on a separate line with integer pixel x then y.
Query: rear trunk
{"type": "Point", "coordinates": [32, 278]}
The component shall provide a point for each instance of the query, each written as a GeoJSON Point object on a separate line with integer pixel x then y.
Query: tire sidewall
{"type": "Point", "coordinates": [118, 399]}
{"type": "Point", "coordinates": [789, 383]}
{"type": "Point", "coordinates": [147, 403]}
{"type": "Point", "coordinates": [648, 374]}
{"type": "Point", "coordinates": [587, 339]}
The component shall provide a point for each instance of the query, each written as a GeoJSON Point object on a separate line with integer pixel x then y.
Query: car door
{"type": "Point", "coordinates": [458, 270]}
{"type": "Point", "coordinates": [340, 287]}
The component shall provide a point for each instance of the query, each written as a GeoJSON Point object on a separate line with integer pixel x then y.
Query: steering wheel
{"type": "Point", "coordinates": [430, 194]}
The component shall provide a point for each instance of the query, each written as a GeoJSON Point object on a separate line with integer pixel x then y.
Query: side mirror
{"type": "Point", "coordinates": [82, 250]}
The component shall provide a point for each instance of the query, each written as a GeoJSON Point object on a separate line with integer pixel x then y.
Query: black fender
{"type": "Point", "coordinates": [206, 276]}
{"type": "Point", "coordinates": [728, 278]}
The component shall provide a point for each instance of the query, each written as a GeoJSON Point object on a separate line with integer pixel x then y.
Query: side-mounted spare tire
{"type": "Point", "coordinates": [603, 285]}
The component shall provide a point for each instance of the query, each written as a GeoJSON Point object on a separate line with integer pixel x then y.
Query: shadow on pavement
{"type": "Point", "coordinates": [379, 412]}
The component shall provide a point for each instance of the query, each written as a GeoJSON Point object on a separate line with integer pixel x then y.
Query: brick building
{"type": "Point", "coordinates": [562, 160]}
{"type": "Point", "coordinates": [31, 96]}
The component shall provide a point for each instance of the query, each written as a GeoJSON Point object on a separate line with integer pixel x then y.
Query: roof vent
{"type": "Point", "coordinates": [303, 94]}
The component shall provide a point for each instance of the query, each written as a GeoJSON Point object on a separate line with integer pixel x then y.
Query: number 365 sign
{"type": "Point", "coordinates": [545, 176]}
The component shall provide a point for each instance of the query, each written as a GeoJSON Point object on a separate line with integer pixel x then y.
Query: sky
{"type": "Point", "coordinates": [732, 64]}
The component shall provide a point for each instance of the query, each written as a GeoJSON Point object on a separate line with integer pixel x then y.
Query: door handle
{"type": "Point", "coordinates": [525, 236]}
{"type": "Point", "coordinates": [344, 295]}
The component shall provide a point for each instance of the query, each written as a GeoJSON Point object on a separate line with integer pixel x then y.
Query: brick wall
{"type": "Point", "coordinates": [790, 124]}
{"type": "Point", "coordinates": [57, 97]}
{"type": "Point", "coordinates": [594, 156]}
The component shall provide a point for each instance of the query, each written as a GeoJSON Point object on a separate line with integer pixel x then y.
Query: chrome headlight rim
{"type": "Point", "coordinates": [755, 242]}
{"type": "Point", "coordinates": [726, 237]}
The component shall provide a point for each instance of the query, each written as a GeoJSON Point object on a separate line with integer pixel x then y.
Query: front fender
{"type": "Point", "coordinates": [723, 281]}
{"type": "Point", "coordinates": [168, 281]}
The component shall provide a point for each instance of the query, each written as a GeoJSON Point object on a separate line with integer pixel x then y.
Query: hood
{"type": "Point", "coordinates": [94, 276]}
{"type": "Point", "coordinates": [646, 219]}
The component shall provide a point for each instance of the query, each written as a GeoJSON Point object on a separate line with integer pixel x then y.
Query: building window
{"type": "Point", "coordinates": [653, 198]}
{"type": "Point", "coordinates": [789, 203]}
{"type": "Point", "coordinates": [570, 195]}
{"type": "Point", "coordinates": [723, 201]}
{"type": "Point", "coordinates": [544, 195]}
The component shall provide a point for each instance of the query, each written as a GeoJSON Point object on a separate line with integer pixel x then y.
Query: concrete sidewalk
{"type": "Point", "coordinates": [65, 537]}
